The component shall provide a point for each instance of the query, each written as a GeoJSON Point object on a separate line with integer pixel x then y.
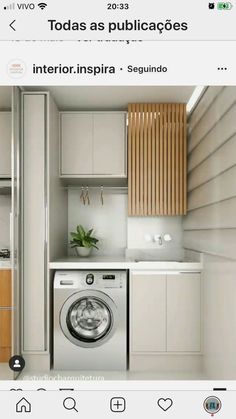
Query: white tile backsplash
{"type": "Point", "coordinates": [116, 231]}
{"type": "Point", "coordinates": [139, 227]}
{"type": "Point", "coordinates": [109, 220]}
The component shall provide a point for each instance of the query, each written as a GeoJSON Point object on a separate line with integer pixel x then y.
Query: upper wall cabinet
{"type": "Point", "coordinates": [157, 159]}
{"type": "Point", "coordinates": [5, 144]}
{"type": "Point", "coordinates": [93, 144]}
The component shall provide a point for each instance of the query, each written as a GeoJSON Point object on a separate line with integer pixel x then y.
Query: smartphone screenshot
{"type": "Point", "coordinates": [117, 209]}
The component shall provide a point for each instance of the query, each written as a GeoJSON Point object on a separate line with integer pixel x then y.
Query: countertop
{"type": "Point", "coordinates": [5, 264]}
{"type": "Point", "coordinates": [119, 262]}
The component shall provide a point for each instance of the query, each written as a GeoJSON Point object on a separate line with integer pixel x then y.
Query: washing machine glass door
{"type": "Point", "coordinates": [89, 319]}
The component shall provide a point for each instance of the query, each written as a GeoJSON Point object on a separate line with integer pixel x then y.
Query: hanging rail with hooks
{"type": "Point", "coordinates": [104, 189]}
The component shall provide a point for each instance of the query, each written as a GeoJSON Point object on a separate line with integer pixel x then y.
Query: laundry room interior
{"type": "Point", "coordinates": [118, 232]}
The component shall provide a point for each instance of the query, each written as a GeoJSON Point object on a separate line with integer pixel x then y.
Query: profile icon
{"type": "Point", "coordinates": [212, 405]}
{"type": "Point", "coordinates": [17, 363]}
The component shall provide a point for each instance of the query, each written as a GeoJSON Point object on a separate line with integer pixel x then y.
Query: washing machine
{"type": "Point", "coordinates": [90, 320]}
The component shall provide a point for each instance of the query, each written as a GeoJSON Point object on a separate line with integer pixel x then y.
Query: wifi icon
{"type": "Point", "coordinates": [42, 5]}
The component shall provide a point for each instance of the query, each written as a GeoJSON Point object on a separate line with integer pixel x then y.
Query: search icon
{"type": "Point", "coordinates": [69, 404]}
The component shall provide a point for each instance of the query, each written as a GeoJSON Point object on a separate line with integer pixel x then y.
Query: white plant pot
{"type": "Point", "coordinates": [83, 251]}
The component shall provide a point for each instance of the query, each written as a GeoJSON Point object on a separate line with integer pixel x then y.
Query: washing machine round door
{"type": "Point", "coordinates": [88, 318]}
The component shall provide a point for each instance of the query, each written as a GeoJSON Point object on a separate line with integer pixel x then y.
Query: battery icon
{"type": "Point", "coordinates": [224, 6]}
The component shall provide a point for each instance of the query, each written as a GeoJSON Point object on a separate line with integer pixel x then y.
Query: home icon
{"type": "Point", "coordinates": [23, 406]}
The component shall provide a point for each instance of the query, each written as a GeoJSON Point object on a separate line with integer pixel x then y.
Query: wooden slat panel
{"type": "Point", "coordinates": [181, 161]}
{"type": "Point", "coordinates": [130, 177]}
{"type": "Point", "coordinates": [157, 159]}
{"type": "Point", "coordinates": [165, 160]}
{"type": "Point", "coordinates": [5, 288]}
{"type": "Point", "coordinates": [149, 160]}
{"type": "Point", "coordinates": [133, 153]}
{"type": "Point", "coordinates": [169, 154]}
{"type": "Point", "coordinates": [5, 354]}
{"type": "Point", "coordinates": [177, 167]}
{"type": "Point", "coordinates": [153, 155]}
{"type": "Point", "coordinates": [145, 160]}
{"type": "Point", "coordinates": [5, 328]}
{"type": "Point", "coordinates": [137, 165]}
{"type": "Point", "coordinates": [141, 159]}
{"type": "Point", "coordinates": [173, 190]}
{"type": "Point", "coordinates": [161, 160]}
{"type": "Point", "coordinates": [184, 161]}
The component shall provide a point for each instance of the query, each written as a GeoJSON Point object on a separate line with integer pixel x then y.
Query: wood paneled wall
{"type": "Point", "coordinates": [157, 159]}
{"type": "Point", "coordinates": [5, 314]}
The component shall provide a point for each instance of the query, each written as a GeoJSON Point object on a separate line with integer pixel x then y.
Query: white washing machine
{"type": "Point", "coordinates": [90, 320]}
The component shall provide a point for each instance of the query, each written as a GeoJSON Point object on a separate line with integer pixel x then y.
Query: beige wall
{"type": "Point", "coordinates": [210, 226]}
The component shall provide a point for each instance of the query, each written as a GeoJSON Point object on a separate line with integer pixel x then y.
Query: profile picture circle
{"type": "Point", "coordinates": [17, 363]}
{"type": "Point", "coordinates": [16, 68]}
{"type": "Point", "coordinates": [212, 405]}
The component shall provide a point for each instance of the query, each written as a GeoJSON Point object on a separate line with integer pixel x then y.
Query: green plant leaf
{"type": "Point", "coordinates": [81, 231]}
{"type": "Point", "coordinates": [93, 240]}
{"type": "Point", "coordinates": [82, 238]}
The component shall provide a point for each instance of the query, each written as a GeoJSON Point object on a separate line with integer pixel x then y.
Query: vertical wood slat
{"type": "Point", "coordinates": [157, 159]}
{"type": "Point", "coordinates": [185, 161]}
{"type": "Point", "coordinates": [169, 156]}
{"type": "Point", "coordinates": [149, 160]}
{"type": "Point", "coordinates": [181, 161]}
{"type": "Point", "coordinates": [173, 191]}
{"type": "Point", "coordinates": [130, 174]}
{"type": "Point", "coordinates": [153, 155]}
{"type": "Point", "coordinates": [177, 162]}
{"type": "Point", "coordinates": [141, 109]}
{"type": "Point", "coordinates": [145, 179]}
{"type": "Point", "coordinates": [137, 154]}
{"type": "Point", "coordinates": [161, 161]}
{"type": "Point", "coordinates": [156, 175]}
{"type": "Point", "coordinates": [133, 153]}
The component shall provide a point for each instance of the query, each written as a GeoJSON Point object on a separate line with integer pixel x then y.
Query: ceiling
{"type": "Point", "coordinates": [5, 97]}
{"type": "Point", "coordinates": [115, 97]}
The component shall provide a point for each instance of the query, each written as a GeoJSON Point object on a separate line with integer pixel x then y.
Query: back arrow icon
{"type": "Point", "coordinates": [11, 25]}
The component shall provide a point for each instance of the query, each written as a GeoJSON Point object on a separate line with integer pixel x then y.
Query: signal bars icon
{"type": "Point", "coordinates": [42, 5]}
{"type": "Point", "coordinates": [9, 6]}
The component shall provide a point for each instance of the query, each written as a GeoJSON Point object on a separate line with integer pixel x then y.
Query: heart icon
{"type": "Point", "coordinates": [165, 404]}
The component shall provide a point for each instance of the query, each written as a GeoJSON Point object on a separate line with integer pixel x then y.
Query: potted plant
{"type": "Point", "coordinates": [83, 241]}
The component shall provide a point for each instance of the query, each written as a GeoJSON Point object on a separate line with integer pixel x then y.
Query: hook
{"type": "Point", "coordinates": [87, 196]}
{"type": "Point", "coordinates": [102, 200]}
{"type": "Point", "coordinates": [82, 197]}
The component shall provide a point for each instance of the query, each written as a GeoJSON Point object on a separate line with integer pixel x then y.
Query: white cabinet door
{"type": "Point", "coordinates": [109, 144]}
{"type": "Point", "coordinates": [34, 216]}
{"type": "Point", "coordinates": [76, 144]}
{"type": "Point", "coordinates": [148, 312]}
{"type": "Point", "coordinates": [184, 312]}
{"type": "Point", "coordinates": [5, 144]}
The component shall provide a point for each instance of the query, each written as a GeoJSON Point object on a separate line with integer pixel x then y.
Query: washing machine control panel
{"type": "Point", "coordinates": [78, 279]}
{"type": "Point", "coordinates": [103, 279]}
{"type": "Point", "coordinates": [89, 279]}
